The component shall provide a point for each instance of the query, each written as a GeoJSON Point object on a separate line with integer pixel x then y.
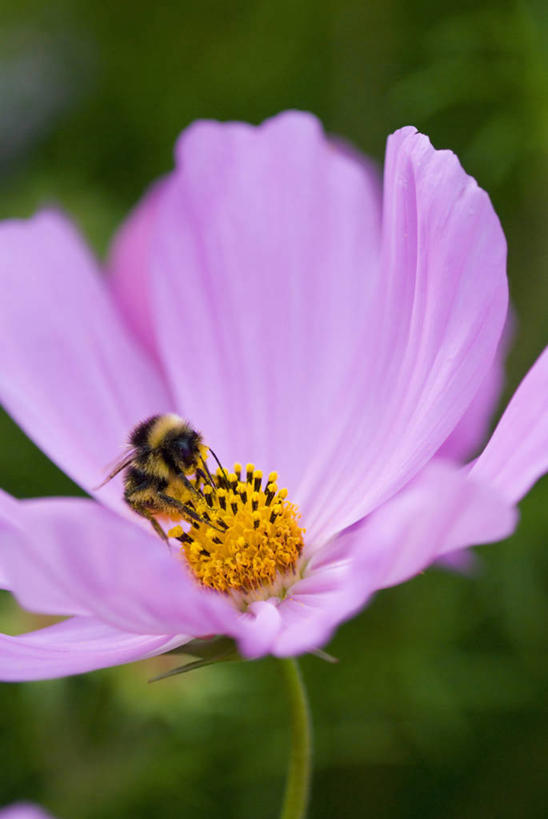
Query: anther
{"type": "Point", "coordinates": [242, 532]}
{"type": "Point", "coordinates": [176, 532]}
{"type": "Point", "coordinates": [270, 493]}
{"type": "Point", "coordinates": [220, 477]}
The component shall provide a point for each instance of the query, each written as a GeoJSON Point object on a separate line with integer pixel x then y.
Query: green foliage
{"type": "Point", "coordinates": [437, 706]}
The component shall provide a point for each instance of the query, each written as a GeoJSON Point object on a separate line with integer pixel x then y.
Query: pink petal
{"type": "Point", "coordinates": [70, 374]}
{"type": "Point", "coordinates": [458, 512]}
{"type": "Point", "coordinates": [9, 510]}
{"type": "Point", "coordinates": [473, 426]}
{"type": "Point", "coordinates": [432, 331]}
{"type": "Point", "coordinates": [440, 511]}
{"type": "Point", "coordinates": [517, 453]}
{"type": "Point", "coordinates": [129, 267]}
{"type": "Point", "coordinates": [284, 340]}
{"type": "Point", "coordinates": [4, 581]}
{"type": "Point", "coordinates": [472, 429]}
{"type": "Point", "coordinates": [74, 646]}
{"type": "Point", "coordinates": [463, 561]}
{"type": "Point", "coordinates": [258, 629]}
{"type": "Point", "coordinates": [268, 239]}
{"type": "Point", "coordinates": [24, 810]}
{"type": "Point", "coordinates": [72, 556]}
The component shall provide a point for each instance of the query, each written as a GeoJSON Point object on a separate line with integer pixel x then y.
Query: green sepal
{"type": "Point", "coordinates": [218, 649]}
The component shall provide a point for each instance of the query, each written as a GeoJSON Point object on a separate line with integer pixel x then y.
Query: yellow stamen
{"type": "Point", "coordinates": [248, 536]}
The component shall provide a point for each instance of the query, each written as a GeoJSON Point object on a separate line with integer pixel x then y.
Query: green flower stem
{"type": "Point", "coordinates": [298, 776]}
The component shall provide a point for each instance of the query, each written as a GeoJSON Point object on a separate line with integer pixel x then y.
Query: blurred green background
{"type": "Point", "coordinates": [438, 706]}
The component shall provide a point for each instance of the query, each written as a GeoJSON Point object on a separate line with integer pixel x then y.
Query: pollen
{"type": "Point", "coordinates": [243, 534]}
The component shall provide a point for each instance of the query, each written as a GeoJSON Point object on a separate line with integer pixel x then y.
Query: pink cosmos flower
{"type": "Point", "coordinates": [304, 320]}
{"type": "Point", "coordinates": [24, 810]}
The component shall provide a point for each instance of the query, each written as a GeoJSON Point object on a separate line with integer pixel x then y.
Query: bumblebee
{"type": "Point", "coordinates": [164, 452]}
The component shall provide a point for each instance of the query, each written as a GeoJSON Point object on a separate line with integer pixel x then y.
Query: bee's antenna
{"type": "Point", "coordinates": [191, 486]}
{"type": "Point", "coordinates": [221, 467]}
{"type": "Point", "coordinates": [207, 475]}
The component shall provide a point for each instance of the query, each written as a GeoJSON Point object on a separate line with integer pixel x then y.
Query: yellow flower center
{"type": "Point", "coordinates": [240, 536]}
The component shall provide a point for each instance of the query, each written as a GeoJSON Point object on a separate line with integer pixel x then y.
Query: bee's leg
{"type": "Point", "coordinates": [173, 504]}
{"type": "Point", "coordinates": [184, 509]}
{"type": "Point", "coordinates": [157, 528]}
{"type": "Point", "coordinates": [182, 477]}
{"type": "Point", "coordinates": [146, 513]}
{"type": "Point", "coordinates": [140, 498]}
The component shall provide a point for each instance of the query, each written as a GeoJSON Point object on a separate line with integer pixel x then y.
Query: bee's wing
{"type": "Point", "coordinates": [117, 467]}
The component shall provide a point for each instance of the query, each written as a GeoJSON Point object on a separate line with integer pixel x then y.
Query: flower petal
{"type": "Point", "coordinates": [517, 454]}
{"type": "Point", "coordinates": [431, 331]}
{"type": "Point", "coordinates": [258, 629]}
{"type": "Point", "coordinates": [74, 646]}
{"type": "Point", "coordinates": [472, 429]}
{"type": "Point", "coordinates": [288, 343]}
{"type": "Point", "coordinates": [129, 267]}
{"type": "Point", "coordinates": [72, 556]}
{"type": "Point", "coordinates": [442, 510]}
{"type": "Point", "coordinates": [24, 810]}
{"type": "Point", "coordinates": [267, 242]}
{"type": "Point", "coordinates": [9, 510]}
{"type": "Point", "coordinates": [4, 581]}
{"type": "Point", "coordinates": [70, 374]}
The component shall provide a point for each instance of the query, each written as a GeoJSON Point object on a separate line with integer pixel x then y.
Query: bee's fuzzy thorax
{"type": "Point", "coordinates": [164, 426]}
{"type": "Point", "coordinates": [164, 451]}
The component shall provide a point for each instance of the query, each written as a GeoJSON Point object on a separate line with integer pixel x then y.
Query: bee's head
{"type": "Point", "coordinates": [185, 448]}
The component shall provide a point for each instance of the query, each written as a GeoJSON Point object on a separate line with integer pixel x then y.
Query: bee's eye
{"type": "Point", "coordinates": [184, 447]}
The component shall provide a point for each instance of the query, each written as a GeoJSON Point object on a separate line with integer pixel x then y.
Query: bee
{"type": "Point", "coordinates": [164, 451]}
